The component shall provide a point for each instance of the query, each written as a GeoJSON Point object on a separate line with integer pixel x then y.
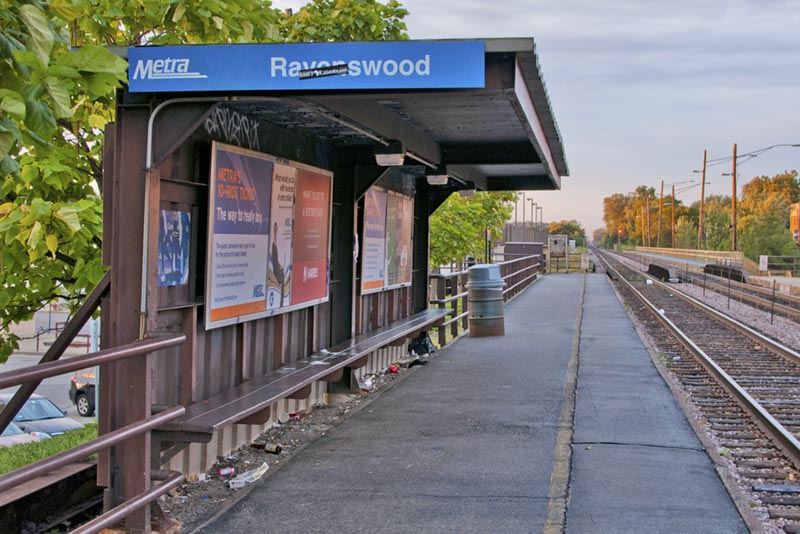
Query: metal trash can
{"type": "Point", "coordinates": [485, 297]}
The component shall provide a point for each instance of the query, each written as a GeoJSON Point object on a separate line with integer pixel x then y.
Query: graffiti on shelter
{"type": "Point", "coordinates": [233, 127]}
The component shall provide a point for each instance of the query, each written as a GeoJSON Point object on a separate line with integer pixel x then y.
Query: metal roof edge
{"type": "Point", "coordinates": [529, 65]}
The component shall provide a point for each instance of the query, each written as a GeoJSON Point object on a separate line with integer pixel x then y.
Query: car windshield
{"type": "Point", "coordinates": [12, 430]}
{"type": "Point", "coordinates": [36, 409]}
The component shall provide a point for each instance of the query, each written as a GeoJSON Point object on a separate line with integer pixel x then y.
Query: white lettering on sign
{"type": "Point", "coordinates": [164, 69]}
{"type": "Point", "coordinates": [280, 67]}
{"type": "Point", "coordinates": [309, 273]}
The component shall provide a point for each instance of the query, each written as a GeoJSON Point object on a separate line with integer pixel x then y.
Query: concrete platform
{"type": "Point", "coordinates": [470, 442]}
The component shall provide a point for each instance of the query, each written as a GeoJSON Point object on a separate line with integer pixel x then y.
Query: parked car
{"type": "Point", "coordinates": [40, 417]}
{"type": "Point", "coordinates": [81, 391]}
{"type": "Point", "coordinates": [14, 435]}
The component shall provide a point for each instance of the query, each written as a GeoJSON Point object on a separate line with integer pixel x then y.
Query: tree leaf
{"type": "Point", "coordinates": [97, 121]}
{"type": "Point", "coordinates": [35, 236]}
{"type": "Point", "coordinates": [52, 243]}
{"type": "Point", "coordinates": [12, 103]}
{"type": "Point", "coordinates": [69, 216]}
{"type": "Point", "coordinates": [66, 9]}
{"type": "Point", "coordinates": [6, 142]}
{"type": "Point", "coordinates": [40, 118]}
{"type": "Point", "coordinates": [39, 32]}
{"type": "Point", "coordinates": [59, 94]}
{"type": "Point", "coordinates": [8, 166]}
{"type": "Point", "coordinates": [180, 9]}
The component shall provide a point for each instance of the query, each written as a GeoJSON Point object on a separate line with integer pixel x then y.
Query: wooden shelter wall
{"type": "Point", "coordinates": [221, 358]}
{"type": "Point", "coordinates": [212, 361]}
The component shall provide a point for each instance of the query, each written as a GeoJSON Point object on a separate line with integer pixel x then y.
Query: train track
{"type": "Point", "coordinates": [767, 299]}
{"type": "Point", "coordinates": [743, 387]}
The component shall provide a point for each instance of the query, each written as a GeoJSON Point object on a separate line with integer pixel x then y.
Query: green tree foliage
{"type": "Point", "coordinates": [50, 209]}
{"type": "Point", "coordinates": [685, 232]}
{"type": "Point", "coordinates": [571, 228]}
{"type": "Point", "coordinates": [766, 234]}
{"type": "Point", "coordinates": [717, 223]}
{"type": "Point", "coordinates": [458, 227]}
{"type": "Point", "coordinates": [346, 20]}
{"type": "Point", "coordinates": [55, 101]}
{"type": "Point", "coordinates": [764, 215]}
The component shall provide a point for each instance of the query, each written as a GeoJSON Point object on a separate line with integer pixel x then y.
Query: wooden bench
{"type": "Point", "coordinates": [249, 402]}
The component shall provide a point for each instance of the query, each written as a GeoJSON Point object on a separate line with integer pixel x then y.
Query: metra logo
{"type": "Point", "coordinates": [164, 69]}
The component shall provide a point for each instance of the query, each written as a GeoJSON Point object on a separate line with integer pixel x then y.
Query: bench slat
{"type": "Point", "coordinates": [252, 396]}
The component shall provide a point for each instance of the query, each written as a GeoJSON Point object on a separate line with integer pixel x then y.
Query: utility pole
{"type": "Point", "coordinates": [673, 215]}
{"type": "Point", "coordinates": [660, 208]}
{"type": "Point", "coordinates": [648, 220]}
{"type": "Point", "coordinates": [702, 203]}
{"type": "Point", "coordinates": [733, 201]}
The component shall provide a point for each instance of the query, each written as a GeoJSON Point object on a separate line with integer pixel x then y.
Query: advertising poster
{"type": "Point", "coordinates": [399, 227]}
{"type": "Point", "coordinates": [373, 264]}
{"type": "Point", "coordinates": [310, 246]}
{"type": "Point", "coordinates": [239, 219]}
{"type": "Point", "coordinates": [279, 267]}
{"type": "Point", "coordinates": [174, 232]}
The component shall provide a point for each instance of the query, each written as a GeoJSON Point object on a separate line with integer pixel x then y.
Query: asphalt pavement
{"type": "Point", "coordinates": [478, 440]}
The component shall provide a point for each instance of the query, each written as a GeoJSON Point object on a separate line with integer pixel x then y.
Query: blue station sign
{"type": "Point", "coordinates": [308, 66]}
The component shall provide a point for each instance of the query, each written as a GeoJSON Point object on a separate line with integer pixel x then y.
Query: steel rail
{"type": "Point", "coordinates": [740, 327]}
{"type": "Point", "coordinates": [784, 439]}
{"type": "Point", "coordinates": [759, 297]}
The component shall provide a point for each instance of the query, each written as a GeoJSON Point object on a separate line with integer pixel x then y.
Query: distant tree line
{"type": "Point", "coordinates": [762, 219]}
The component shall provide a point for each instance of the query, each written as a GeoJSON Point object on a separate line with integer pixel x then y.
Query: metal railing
{"type": "Point", "coordinates": [36, 373]}
{"type": "Point", "coordinates": [718, 257]}
{"type": "Point", "coordinates": [784, 265]}
{"type": "Point", "coordinates": [450, 291]}
{"type": "Point", "coordinates": [29, 378]}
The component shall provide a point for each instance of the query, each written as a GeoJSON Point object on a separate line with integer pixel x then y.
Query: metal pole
{"type": "Point", "coordinates": [702, 203]}
{"type": "Point", "coordinates": [772, 312]}
{"type": "Point", "coordinates": [673, 216]}
{"type": "Point", "coordinates": [660, 209]}
{"type": "Point", "coordinates": [729, 290]}
{"type": "Point", "coordinates": [733, 202]}
{"type": "Point", "coordinates": [648, 220]}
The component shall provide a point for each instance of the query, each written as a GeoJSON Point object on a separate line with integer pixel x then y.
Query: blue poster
{"type": "Point", "coordinates": [241, 184]}
{"type": "Point", "coordinates": [174, 232]}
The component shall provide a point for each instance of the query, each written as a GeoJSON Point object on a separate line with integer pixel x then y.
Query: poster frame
{"type": "Point", "coordinates": [208, 323]}
{"type": "Point", "coordinates": [386, 287]}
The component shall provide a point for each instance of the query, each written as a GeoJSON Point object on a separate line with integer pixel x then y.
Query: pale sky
{"type": "Point", "coordinates": [640, 88]}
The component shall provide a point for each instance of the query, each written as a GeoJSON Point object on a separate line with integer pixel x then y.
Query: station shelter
{"type": "Point", "coordinates": [271, 202]}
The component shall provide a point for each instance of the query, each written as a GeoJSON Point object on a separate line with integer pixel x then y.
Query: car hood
{"type": "Point", "coordinates": [16, 439]}
{"type": "Point", "coordinates": [50, 426]}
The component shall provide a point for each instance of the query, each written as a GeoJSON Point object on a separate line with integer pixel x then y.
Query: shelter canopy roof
{"type": "Point", "coordinates": [476, 110]}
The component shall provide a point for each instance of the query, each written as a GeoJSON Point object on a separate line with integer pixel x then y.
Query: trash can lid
{"type": "Point", "coordinates": [485, 275]}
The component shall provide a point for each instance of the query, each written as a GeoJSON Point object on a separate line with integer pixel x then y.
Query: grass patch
{"type": "Point", "coordinates": [28, 453]}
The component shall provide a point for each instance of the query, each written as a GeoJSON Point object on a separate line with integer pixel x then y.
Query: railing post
{"type": "Point", "coordinates": [461, 278]}
{"type": "Point", "coordinates": [453, 278]}
{"type": "Point", "coordinates": [440, 289]}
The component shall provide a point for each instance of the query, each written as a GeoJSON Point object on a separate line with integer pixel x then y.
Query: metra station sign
{"type": "Point", "coordinates": [308, 66]}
